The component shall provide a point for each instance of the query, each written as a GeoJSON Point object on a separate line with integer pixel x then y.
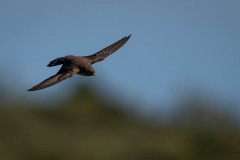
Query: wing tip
{"type": "Point", "coordinates": [128, 36]}
{"type": "Point", "coordinates": [31, 89]}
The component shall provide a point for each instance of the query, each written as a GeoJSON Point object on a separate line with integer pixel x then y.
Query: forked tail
{"type": "Point", "coordinates": [56, 62]}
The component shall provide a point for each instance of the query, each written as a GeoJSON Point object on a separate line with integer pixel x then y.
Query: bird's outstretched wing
{"type": "Point", "coordinates": [62, 74]}
{"type": "Point", "coordinates": [101, 55]}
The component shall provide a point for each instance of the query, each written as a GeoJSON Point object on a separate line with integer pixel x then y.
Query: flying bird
{"type": "Point", "coordinates": [81, 65]}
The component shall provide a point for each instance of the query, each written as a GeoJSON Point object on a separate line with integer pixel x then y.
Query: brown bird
{"type": "Point", "coordinates": [78, 65]}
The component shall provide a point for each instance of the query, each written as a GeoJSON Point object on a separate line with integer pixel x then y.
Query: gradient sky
{"type": "Point", "coordinates": [176, 46]}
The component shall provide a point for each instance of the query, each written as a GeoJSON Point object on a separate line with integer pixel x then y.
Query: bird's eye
{"type": "Point", "coordinates": [89, 73]}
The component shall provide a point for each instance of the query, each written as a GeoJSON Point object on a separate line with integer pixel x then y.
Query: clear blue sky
{"type": "Point", "coordinates": [176, 45]}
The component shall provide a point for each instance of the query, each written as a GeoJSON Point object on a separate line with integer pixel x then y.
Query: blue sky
{"type": "Point", "coordinates": [176, 46]}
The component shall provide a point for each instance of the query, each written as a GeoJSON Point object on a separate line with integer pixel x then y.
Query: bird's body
{"type": "Point", "coordinates": [78, 65]}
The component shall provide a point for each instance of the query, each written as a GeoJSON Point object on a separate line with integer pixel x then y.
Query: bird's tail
{"type": "Point", "coordinates": [56, 62]}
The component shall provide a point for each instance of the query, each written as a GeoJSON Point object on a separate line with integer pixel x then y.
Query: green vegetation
{"type": "Point", "coordinates": [85, 127]}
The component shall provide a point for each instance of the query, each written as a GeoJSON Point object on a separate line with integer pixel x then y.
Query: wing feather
{"type": "Point", "coordinates": [50, 81]}
{"type": "Point", "coordinates": [62, 74]}
{"type": "Point", "coordinates": [102, 54]}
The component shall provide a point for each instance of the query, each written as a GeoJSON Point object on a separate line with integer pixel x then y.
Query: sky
{"type": "Point", "coordinates": [176, 46]}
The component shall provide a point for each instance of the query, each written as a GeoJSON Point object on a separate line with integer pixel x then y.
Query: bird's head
{"type": "Point", "coordinates": [90, 71]}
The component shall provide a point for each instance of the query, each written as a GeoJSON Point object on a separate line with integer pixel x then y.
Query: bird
{"type": "Point", "coordinates": [81, 65]}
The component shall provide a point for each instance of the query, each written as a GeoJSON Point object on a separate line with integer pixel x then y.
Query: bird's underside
{"type": "Point", "coordinates": [78, 65]}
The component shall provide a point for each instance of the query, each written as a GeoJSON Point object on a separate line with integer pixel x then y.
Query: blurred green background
{"type": "Point", "coordinates": [86, 126]}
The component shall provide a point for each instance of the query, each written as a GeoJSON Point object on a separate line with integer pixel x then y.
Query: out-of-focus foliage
{"type": "Point", "coordinates": [85, 127]}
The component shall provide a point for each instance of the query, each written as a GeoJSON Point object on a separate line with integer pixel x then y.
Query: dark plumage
{"type": "Point", "coordinates": [78, 65]}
